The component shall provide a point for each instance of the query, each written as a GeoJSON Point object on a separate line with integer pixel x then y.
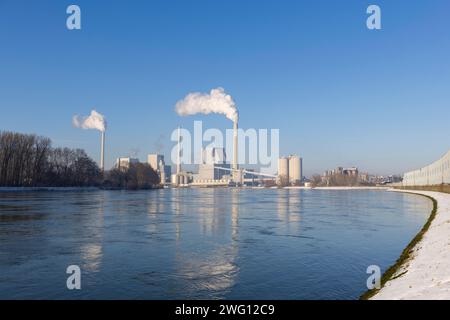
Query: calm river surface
{"type": "Point", "coordinates": [202, 243]}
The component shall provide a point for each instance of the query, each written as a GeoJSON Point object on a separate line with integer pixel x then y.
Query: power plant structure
{"type": "Point", "coordinates": [215, 171]}
{"type": "Point", "coordinates": [102, 152]}
{"type": "Point", "coordinates": [236, 174]}
{"type": "Point", "coordinates": [295, 170]}
{"type": "Point", "coordinates": [180, 178]}
{"type": "Point", "coordinates": [290, 170]}
{"type": "Point", "coordinates": [283, 170]}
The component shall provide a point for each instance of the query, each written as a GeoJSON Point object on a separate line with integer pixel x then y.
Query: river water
{"type": "Point", "coordinates": [202, 243]}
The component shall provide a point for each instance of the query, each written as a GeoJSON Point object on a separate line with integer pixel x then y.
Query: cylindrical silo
{"type": "Point", "coordinates": [295, 169]}
{"type": "Point", "coordinates": [283, 170]}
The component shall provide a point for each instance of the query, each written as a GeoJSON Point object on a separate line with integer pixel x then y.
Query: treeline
{"type": "Point", "coordinates": [27, 160]}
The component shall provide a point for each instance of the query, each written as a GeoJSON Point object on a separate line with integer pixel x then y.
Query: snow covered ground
{"type": "Point", "coordinates": [428, 271]}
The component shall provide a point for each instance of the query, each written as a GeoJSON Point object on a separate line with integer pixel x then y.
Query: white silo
{"type": "Point", "coordinates": [175, 179]}
{"type": "Point", "coordinates": [283, 170]}
{"type": "Point", "coordinates": [295, 170]}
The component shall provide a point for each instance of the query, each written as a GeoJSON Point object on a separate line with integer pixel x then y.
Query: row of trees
{"type": "Point", "coordinates": [137, 176]}
{"type": "Point", "coordinates": [28, 160]}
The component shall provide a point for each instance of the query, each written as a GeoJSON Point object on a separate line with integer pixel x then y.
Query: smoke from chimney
{"type": "Point", "coordinates": [94, 121]}
{"type": "Point", "coordinates": [217, 101]}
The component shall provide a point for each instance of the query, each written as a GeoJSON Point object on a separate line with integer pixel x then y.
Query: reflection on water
{"type": "Point", "coordinates": [92, 251]}
{"type": "Point", "coordinates": [202, 243]}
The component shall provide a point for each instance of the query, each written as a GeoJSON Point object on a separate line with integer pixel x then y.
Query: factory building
{"type": "Point", "coordinates": [213, 160]}
{"type": "Point", "coordinates": [125, 163]}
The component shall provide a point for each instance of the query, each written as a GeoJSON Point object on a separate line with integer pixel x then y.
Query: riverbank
{"type": "Point", "coordinates": [337, 188]}
{"type": "Point", "coordinates": [66, 189]}
{"type": "Point", "coordinates": [425, 273]}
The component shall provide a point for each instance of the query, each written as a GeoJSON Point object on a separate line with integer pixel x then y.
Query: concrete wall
{"type": "Point", "coordinates": [434, 174]}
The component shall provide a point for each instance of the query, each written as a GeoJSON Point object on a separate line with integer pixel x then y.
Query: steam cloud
{"type": "Point", "coordinates": [94, 121]}
{"type": "Point", "coordinates": [217, 101]}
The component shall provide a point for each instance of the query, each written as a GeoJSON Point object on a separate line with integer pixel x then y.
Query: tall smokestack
{"type": "Point", "coordinates": [102, 154]}
{"type": "Point", "coordinates": [179, 152]}
{"type": "Point", "coordinates": [94, 121]}
{"type": "Point", "coordinates": [235, 145]}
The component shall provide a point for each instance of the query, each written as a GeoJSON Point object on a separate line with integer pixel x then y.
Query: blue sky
{"type": "Point", "coordinates": [339, 93]}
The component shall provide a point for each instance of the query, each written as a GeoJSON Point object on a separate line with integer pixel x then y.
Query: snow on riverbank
{"type": "Point", "coordinates": [338, 188]}
{"type": "Point", "coordinates": [427, 274]}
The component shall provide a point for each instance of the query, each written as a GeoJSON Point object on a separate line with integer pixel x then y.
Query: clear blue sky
{"type": "Point", "coordinates": [339, 93]}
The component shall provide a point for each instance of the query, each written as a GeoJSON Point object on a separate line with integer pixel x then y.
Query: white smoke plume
{"type": "Point", "coordinates": [217, 101]}
{"type": "Point", "coordinates": [94, 121]}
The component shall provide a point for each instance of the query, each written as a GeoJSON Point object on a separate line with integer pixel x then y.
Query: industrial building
{"type": "Point", "coordinates": [213, 165]}
{"type": "Point", "coordinates": [295, 170]}
{"type": "Point", "coordinates": [156, 161]}
{"type": "Point", "coordinates": [213, 171]}
{"type": "Point", "coordinates": [290, 170]}
{"type": "Point", "coordinates": [125, 163]}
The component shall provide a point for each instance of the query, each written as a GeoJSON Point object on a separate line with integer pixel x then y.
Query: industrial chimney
{"type": "Point", "coordinates": [179, 152]}
{"type": "Point", "coordinates": [235, 149]}
{"type": "Point", "coordinates": [102, 153]}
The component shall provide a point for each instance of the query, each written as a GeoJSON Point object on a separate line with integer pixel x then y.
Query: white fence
{"type": "Point", "coordinates": [435, 174]}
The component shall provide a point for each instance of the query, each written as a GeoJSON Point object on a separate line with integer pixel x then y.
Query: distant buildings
{"type": "Point", "coordinates": [125, 163]}
{"type": "Point", "coordinates": [346, 176]}
{"type": "Point", "coordinates": [156, 161]}
{"type": "Point", "coordinates": [352, 172]}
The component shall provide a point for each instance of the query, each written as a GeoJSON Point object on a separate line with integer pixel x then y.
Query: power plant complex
{"type": "Point", "coordinates": [214, 170]}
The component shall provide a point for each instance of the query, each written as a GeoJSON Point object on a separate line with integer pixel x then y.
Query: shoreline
{"type": "Point", "coordinates": [64, 189]}
{"type": "Point", "coordinates": [423, 269]}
